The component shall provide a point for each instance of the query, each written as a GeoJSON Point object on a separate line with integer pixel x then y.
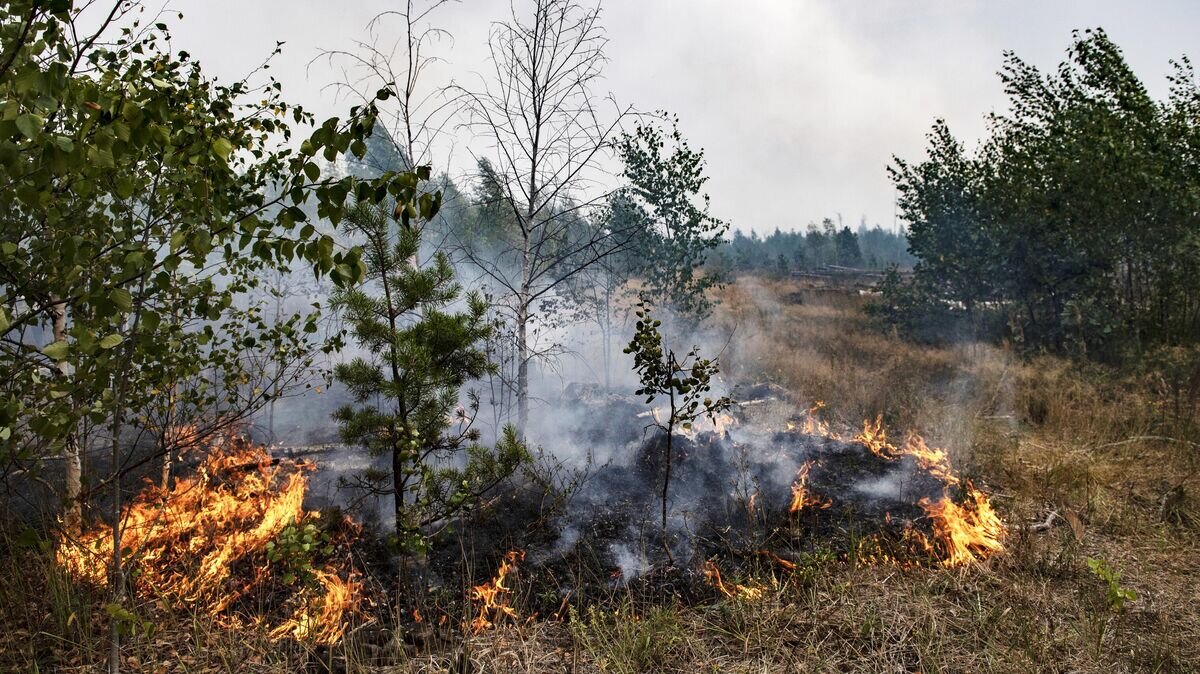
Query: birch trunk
{"type": "Point", "coordinates": [73, 477]}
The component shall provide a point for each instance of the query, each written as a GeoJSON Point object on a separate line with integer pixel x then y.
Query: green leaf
{"type": "Point", "coordinates": [124, 185]}
{"type": "Point", "coordinates": [222, 148]}
{"type": "Point", "coordinates": [56, 351]}
{"type": "Point", "coordinates": [30, 125]}
{"type": "Point", "coordinates": [110, 341]}
{"type": "Point", "coordinates": [121, 298]}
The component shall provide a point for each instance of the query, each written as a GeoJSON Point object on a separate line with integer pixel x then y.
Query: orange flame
{"type": "Point", "coordinates": [812, 424]}
{"type": "Point", "coordinates": [801, 496]}
{"type": "Point", "coordinates": [322, 621]}
{"type": "Point", "coordinates": [732, 590]}
{"type": "Point", "coordinates": [965, 533]}
{"type": "Point", "coordinates": [492, 598]}
{"type": "Point", "coordinates": [932, 459]}
{"type": "Point", "coordinates": [187, 541]}
{"type": "Point", "coordinates": [786, 564]}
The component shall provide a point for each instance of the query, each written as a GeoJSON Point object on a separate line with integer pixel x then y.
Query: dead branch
{"type": "Point", "coordinates": [1052, 520]}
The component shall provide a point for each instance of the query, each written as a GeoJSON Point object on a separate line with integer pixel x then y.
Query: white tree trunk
{"type": "Point", "coordinates": [522, 366]}
{"type": "Point", "coordinates": [73, 478]}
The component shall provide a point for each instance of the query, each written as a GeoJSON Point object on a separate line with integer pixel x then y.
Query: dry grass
{"type": "Point", "coordinates": [1042, 434]}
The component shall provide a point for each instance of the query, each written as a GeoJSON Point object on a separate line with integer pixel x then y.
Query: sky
{"type": "Point", "coordinates": [800, 105]}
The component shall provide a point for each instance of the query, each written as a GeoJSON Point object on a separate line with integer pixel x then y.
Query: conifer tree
{"type": "Point", "coordinates": [423, 338]}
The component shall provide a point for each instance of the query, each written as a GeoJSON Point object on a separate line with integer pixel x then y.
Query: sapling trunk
{"type": "Point", "coordinates": [73, 477]}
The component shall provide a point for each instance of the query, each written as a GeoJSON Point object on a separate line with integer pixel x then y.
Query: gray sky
{"type": "Point", "coordinates": [799, 104]}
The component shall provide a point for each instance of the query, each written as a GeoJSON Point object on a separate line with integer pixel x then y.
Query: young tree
{"type": "Point", "coordinates": [412, 122]}
{"type": "Point", "coordinates": [133, 211]}
{"type": "Point", "coordinates": [684, 381]}
{"type": "Point", "coordinates": [420, 354]}
{"type": "Point", "coordinates": [547, 133]}
{"type": "Point", "coordinates": [676, 231]}
{"type": "Point", "coordinates": [948, 234]}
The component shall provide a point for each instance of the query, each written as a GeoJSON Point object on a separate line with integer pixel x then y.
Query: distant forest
{"type": "Point", "coordinates": [780, 253]}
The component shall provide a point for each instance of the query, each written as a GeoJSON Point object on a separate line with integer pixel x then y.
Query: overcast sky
{"type": "Point", "coordinates": [799, 104]}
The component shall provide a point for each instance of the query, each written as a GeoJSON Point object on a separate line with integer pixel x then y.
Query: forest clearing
{"type": "Point", "coordinates": [473, 375]}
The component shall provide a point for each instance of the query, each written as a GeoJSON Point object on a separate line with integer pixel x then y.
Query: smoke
{"type": "Point", "coordinates": [631, 562]}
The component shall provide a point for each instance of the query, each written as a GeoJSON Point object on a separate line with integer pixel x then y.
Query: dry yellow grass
{"type": "Point", "coordinates": [1042, 434]}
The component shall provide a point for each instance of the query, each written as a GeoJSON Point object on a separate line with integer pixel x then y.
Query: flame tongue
{"type": "Point", "coordinates": [967, 532]}
{"type": "Point", "coordinates": [492, 599]}
{"type": "Point", "coordinates": [802, 496]}
{"type": "Point", "coordinates": [931, 459]}
{"type": "Point", "coordinates": [193, 541]}
{"type": "Point", "coordinates": [732, 590]}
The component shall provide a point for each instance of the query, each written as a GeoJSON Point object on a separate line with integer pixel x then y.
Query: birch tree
{"type": "Point", "coordinates": [420, 115]}
{"type": "Point", "coordinates": [546, 132]}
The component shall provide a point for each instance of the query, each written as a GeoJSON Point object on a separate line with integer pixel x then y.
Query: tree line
{"type": "Point", "coordinates": [782, 252]}
{"type": "Point", "coordinates": [1074, 226]}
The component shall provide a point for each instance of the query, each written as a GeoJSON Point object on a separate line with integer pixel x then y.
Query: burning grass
{"type": "Point", "coordinates": [492, 600]}
{"type": "Point", "coordinates": [208, 543]}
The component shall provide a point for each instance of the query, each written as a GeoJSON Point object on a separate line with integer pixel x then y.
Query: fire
{"type": "Point", "coordinates": [732, 590]}
{"type": "Point", "coordinates": [875, 438]}
{"type": "Point", "coordinates": [962, 533]}
{"type": "Point", "coordinates": [204, 542]}
{"type": "Point", "coordinates": [801, 496]}
{"type": "Point", "coordinates": [786, 564]}
{"type": "Point", "coordinates": [492, 598]}
{"type": "Point", "coordinates": [934, 460]}
{"type": "Point", "coordinates": [813, 424]}
{"type": "Point", "coordinates": [722, 422]}
{"type": "Point", "coordinates": [968, 532]}
{"type": "Point", "coordinates": [322, 621]}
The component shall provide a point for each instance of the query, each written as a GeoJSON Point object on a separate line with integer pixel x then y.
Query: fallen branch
{"type": "Point", "coordinates": [1047, 524]}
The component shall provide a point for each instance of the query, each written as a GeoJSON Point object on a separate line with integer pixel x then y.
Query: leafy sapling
{"type": "Point", "coordinates": [1115, 594]}
{"type": "Point", "coordinates": [684, 382]}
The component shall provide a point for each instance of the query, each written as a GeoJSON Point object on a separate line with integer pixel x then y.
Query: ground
{"type": "Point", "coordinates": [1112, 451]}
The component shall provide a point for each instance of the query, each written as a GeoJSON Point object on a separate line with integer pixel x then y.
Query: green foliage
{"type": "Point", "coordinates": [296, 552]}
{"type": "Point", "coordinates": [685, 383]}
{"type": "Point", "coordinates": [136, 200]}
{"type": "Point", "coordinates": [128, 623]}
{"type": "Point", "coordinates": [1079, 216]}
{"type": "Point", "coordinates": [420, 354]}
{"type": "Point", "coordinates": [1115, 594]}
{"type": "Point", "coordinates": [904, 305]}
{"type": "Point", "coordinates": [675, 232]}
